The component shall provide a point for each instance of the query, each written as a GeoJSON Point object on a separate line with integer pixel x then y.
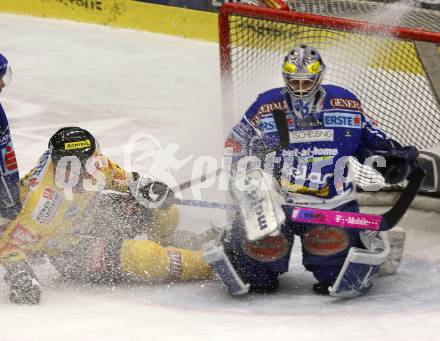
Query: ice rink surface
{"type": "Point", "coordinates": [119, 83]}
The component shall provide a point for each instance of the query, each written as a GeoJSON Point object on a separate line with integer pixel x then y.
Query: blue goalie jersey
{"type": "Point", "coordinates": [323, 134]}
{"type": "Point", "coordinates": [9, 176]}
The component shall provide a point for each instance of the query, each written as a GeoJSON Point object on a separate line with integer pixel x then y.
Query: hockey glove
{"type": "Point", "coordinates": [151, 193]}
{"type": "Point", "coordinates": [399, 160]}
{"type": "Point", "coordinates": [23, 284]}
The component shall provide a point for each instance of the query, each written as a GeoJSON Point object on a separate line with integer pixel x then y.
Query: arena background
{"type": "Point", "coordinates": [194, 19]}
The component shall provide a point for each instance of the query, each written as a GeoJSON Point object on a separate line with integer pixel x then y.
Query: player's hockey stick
{"type": "Point", "coordinates": [280, 119]}
{"type": "Point", "coordinates": [353, 220]}
{"type": "Point", "coordinates": [194, 181]}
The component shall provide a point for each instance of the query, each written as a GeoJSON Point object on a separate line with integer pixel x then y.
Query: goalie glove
{"type": "Point", "coordinates": [399, 160]}
{"type": "Point", "coordinates": [151, 193]}
{"type": "Point", "coordinates": [259, 199]}
{"type": "Point", "coordinates": [23, 284]}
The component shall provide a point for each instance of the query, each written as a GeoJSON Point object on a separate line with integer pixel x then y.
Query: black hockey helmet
{"type": "Point", "coordinates": [72, 141]}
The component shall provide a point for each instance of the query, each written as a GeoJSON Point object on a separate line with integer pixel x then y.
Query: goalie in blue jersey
{"type": "Point", "coordinates": [325, 126]}
{"type": "Point", "coordinates": [9, 177]}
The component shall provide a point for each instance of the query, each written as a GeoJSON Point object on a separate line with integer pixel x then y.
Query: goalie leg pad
{"type": "Point", "coordinates": [225, 271]}
{"type": "Point", "coordinates": [361, 266]}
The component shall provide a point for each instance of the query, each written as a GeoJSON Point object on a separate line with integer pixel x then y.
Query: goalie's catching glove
{"type": "Point", "coordinates": [24, 287]}
{"type": "Point", "coordinates": [399, 160]}
{"type": "Point", "coordinates": [151, 193]}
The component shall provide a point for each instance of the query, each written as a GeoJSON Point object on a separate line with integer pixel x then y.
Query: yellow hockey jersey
{"type": "Point", "coordinates": [51, 218]}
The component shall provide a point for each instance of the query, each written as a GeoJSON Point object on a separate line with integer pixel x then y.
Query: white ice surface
{"type": "Point", "coordinates": [118, 83]}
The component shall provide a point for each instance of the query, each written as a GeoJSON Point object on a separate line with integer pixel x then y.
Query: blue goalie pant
{"type": "Point", "coordinates": [324, 250]}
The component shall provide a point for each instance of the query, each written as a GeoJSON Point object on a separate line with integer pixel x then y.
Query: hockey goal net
{"type": "Point", "coordinates": [385, 66]}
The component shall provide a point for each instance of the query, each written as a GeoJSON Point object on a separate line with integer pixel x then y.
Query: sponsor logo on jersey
{"type": "Point", "coordinates": [21, 235]}
{"type": "Point", "coordinates": [345, 103]}
{"type": "Point", "coordinates": [267, 109]}
{"type": "Point", "coordinates": [269, 249]}
{"type": "Point", "coordinates": [348, 133]}
{"type": "Point", "coordinates": [309, 123]}
{"type": "Point", "coordinates": [311, 151]}
{"type": "Point", "coordinates": [342, 120]}
{"type": "Point", "coordinates": [10, 161]}
{"type": "Point", "coordinates": [325, 241]}
{"type": "Point", "coordinates": [267, 125]}
{"type": "Point", "coordinates": [234, 144]}
{"type": "Point", "coordinates": [77, 144]}
{"type": "Point", "coordinates": [48, 193]}
{"type": "Point", "coordinates": [301, 136]}
{"type": "Point", "coordinates": [47, 207]}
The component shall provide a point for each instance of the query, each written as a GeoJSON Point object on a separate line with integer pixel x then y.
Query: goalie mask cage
{"type": "Point", "coordinates": [379, 63]}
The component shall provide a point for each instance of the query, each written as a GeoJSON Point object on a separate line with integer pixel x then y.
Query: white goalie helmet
{"type": "Point", "coordinates": [303, 71]}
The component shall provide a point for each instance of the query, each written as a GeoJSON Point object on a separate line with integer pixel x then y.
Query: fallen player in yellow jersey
{"type": "Point", "coordinates": [83, 211]}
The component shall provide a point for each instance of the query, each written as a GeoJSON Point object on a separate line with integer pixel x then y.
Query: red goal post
{"type": "Point", "coordinates": [379, 63]}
